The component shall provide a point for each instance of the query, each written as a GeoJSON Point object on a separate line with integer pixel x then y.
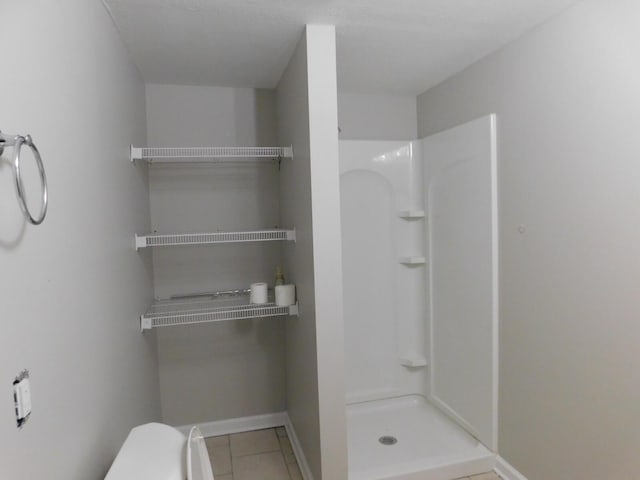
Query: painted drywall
{"type": "Point", "coordinates": [567, 100]}
{"type": "Point", "coordinates": [74, 287]}
{"type": "Point", "coordinates": [229, 369]}
{"type": "Point", "coordinates": [377, 117]}
{"type": "Point", "coordinates": [295, 183]}
{"type": "Point", "coordinates": [327, 246]}
{"type": "Point", "coordinates": [310, 200]}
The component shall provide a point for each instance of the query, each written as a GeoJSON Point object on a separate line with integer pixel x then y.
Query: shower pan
{"type": "Point", "coordinates": [419, 234]}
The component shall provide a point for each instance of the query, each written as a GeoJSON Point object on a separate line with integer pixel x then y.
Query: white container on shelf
{"type": "Point", "coordinates": [258, 293]}
{"type": "Point", "coordinates": [285, 295]}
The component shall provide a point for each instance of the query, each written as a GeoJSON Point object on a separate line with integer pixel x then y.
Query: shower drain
{"type": "Point", "coordinates": [388, 440]}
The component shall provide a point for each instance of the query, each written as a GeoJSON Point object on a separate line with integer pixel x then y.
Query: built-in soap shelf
{"type": "Point", "coordinates": [413, 361]}
{"type": "Point", "coordinates": [155, 240]}
{"type": "Point", "coordinates": [201, 309]}
{"type": "Point", "coordinates": [411, 214]}
{"type": "Point", "coordinates": [412, 260]}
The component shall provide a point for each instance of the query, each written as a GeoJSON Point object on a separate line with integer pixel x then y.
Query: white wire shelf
{"type": "Point", "coordinates": [208, 154]}
{"type": "Point", "coordinates": [167, 313]}
{"type": "Point", "coordinates": [154, 240]}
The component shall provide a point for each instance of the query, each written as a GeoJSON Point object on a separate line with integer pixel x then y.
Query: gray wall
{"type": "Point", "coordinates": [302, 365]}
{"type": "Point", "coordinates": [73, 288]}
{"type": "Point", "coordinates": [567, 100]}
{"type": "Point", "coordinates": [377, 117]}
{"type": "Point", "coordinates": [229, 369]}
{"type": "Point", "coordinates": [309, 192]}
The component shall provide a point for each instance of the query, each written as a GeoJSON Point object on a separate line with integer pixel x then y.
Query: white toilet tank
{"type": "Point", "coordinates": [159, 452]}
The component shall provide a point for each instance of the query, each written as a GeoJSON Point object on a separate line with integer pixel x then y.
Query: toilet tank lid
{"type": "Point", "coordinates": [151, 452]}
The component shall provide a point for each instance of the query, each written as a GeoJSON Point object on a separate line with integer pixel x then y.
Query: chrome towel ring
{"type": "Point", "coordinates": [17, 142]}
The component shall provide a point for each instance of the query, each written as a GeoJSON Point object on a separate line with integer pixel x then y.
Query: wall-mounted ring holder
{"type": "Point", "coordinates": [17, 142]}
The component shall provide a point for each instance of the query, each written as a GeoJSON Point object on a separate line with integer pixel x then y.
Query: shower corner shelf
{"type": "Point", "coordinates": [181, 312]}
{"type": "Point", "coordinates": [413, 361]}
{"type": "Point", "coordinates": [207, 154]}
{"type": "Point", "coordinates": [155, 240]}
{"type": "Point", "coordinates": [411, 214]}
{"type": "Point", "coordinates": [412, 260]}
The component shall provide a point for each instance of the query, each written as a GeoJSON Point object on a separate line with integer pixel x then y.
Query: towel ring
{"type": "Point", "coordinates": [17, 142]}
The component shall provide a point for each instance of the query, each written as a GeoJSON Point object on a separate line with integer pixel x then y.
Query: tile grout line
{"type": "Point", "coordinates": [284, 460]}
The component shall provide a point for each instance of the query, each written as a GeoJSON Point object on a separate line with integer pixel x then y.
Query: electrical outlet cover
{"type": "Point", "coordinates": [22, 390]}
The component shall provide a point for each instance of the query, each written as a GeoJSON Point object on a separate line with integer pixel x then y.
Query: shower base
{"type": "Point", "coordinates": [407, 438]}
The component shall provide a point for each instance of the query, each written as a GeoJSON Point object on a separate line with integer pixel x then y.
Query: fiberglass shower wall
{"type": "Point", "coordinates": [462, 237]}
{"type": "Point", "coordinates": [419, 228]}
{"type": "Point", "coordinates": [383, 264]}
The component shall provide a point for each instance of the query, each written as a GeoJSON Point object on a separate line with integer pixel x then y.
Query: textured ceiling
{"type": "Point", "coordinates": [384, 46]}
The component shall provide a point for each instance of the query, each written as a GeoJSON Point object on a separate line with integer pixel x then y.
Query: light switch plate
{"type": "Point", "coordinates": [22, 397]}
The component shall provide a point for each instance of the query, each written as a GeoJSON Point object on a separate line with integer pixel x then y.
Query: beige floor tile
{"type": "Point", "coordinates": [485, 476]}
{"type": "Point", "coordinates": [281, 431]}
{"type": "Point", "coordinates": [224, 477]}
{"type": "Point", "coordinates": [250, 443]}
{"type": "Point", "coordinates": [294, 471]}
{"type": "Point", "coordinates": [217, 441]}
{"type": "Point", "coordinates": [287, 451]}
{"type": "Point", "coordinates": [220, 459]}
{"type": "Point", "coordinates": [263, 466]}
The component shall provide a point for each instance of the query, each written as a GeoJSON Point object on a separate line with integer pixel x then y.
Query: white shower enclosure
{"type": "Point", "coordinates": [419, 234]}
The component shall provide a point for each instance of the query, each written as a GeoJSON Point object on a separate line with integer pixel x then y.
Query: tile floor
{"type": "Point", "coordinates": [264, 455]}
{"type": "Point", "coordinates": [257, 455]}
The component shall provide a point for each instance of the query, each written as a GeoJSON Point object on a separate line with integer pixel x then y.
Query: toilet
{"type": "Point", "coordinates": [159, 452]}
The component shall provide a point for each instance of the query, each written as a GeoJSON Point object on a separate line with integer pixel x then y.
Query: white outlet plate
{"type": "Point", "coordinates": [22, 396]}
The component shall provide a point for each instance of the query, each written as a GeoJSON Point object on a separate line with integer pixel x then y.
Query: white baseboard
{"type": "Point", "coordinates": [506, 471]}
{"type": "Point", "coordinates": [297, 451]}
{"type": "Point", "coordinates": [237, 425]}
{"type": "Point", "coordinates": [257, 422]}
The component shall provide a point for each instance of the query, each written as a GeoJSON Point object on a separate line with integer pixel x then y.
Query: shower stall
{"type": "Point", "coordinates": [419, 234]}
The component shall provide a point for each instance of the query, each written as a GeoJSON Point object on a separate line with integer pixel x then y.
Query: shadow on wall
{"type": "Point", "coordinates": [14, 224]}
{"type": "Point", "coordinates": [255, 125]}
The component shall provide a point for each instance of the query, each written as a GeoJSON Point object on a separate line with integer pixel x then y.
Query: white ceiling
{"type": "Point", "coordinates": [384, 46]}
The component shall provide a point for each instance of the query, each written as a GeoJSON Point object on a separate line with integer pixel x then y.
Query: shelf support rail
{"type": "Point", "coordinates": [170, 154]}
{"type": "Point", "coordinates": [143, 241]}
{"type": "Point", "coordinates": [239, 312]}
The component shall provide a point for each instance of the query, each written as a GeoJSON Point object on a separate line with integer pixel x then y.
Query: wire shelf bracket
{"type": "Point", "coordinates": [153, 240]}
{"type": "Point", "coordinates": [207, 154]}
